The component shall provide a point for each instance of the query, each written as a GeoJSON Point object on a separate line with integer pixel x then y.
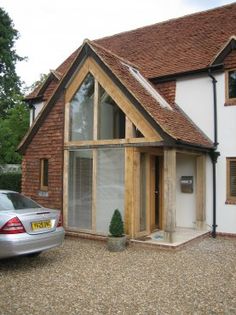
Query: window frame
{"type": "Point", "coordinates": [228, 100]}
{"type": "Point", "coordinates": [229, 199]}
{"type": "Point", "coordinates": [43, 187]}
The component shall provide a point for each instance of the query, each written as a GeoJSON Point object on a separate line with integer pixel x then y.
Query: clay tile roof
{"type": "Point", "coordinates": [170, 47]}
{"type": "Point", "coordinates": [178, 45]}
{"type": "Point", "coordinates": [172, 121]}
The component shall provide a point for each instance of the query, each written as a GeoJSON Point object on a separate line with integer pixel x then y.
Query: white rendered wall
{"type": "Point", "coordinates": [185, 202]}
{"type": "Point", "coordinates": [195, 96]}
{"type": "Point", "coordinates": [38, 107]}
{"type": "Point", "coordinates": [226, 214]}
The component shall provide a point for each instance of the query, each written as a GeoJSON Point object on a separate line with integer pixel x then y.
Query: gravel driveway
{"type": "Point", "coordinates": [82, 277]}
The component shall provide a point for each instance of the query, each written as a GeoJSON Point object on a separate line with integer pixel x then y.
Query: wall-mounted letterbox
{"type": "Point", "coordinates": [186, 184]}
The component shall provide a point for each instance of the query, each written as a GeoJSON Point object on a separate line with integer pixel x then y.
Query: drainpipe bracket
{"type": "Point", "coordinates": [214, 156]}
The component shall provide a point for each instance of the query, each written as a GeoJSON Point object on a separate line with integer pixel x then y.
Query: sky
{"type": "Point", "coordinates": [51, 30]}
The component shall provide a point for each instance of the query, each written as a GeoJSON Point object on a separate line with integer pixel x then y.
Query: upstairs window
{"type": "Point", "coordinates": [44, 174]}
{"type": "Point", "coordinates": [231, 180]}
{"type": "Point", "coordinates": [231, 86]}
{"type": "Point", "coordinates": [81, 111]}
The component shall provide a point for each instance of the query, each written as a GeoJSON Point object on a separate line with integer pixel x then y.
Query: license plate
{"type": "Point", "coordinates": [41, 225]}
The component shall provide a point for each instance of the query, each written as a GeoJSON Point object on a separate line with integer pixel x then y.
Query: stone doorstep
{"type": "Point", "coordinates": [169, 246]}
{"type": "Point", "coordinates": [152, 244]}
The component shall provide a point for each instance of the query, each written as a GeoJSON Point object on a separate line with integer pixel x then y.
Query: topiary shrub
{"type": "Point", "coordinates": [116, 227]}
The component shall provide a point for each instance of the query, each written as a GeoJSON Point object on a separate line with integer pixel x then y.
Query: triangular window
{"type": "Point", "coordinates": [82, 110]}
{"type": "Point", "coordinates": [111, 119]}
{"type": "Point", "coordinates": [95, 115]}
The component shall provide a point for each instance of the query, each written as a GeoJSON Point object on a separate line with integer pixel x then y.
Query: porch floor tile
{"type": "Point", "coordinates": [180, 237]}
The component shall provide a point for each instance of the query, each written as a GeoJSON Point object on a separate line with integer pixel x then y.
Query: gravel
{"type": "Point", "coordinates": [82, 277]}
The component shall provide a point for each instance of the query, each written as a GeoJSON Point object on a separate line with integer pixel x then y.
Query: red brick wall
{"type": "Point", "coordinates": [167, 90]}
{"type": "Point", "coordinates": [230, 60]}
{"type": "Point", "coordinates": [47, 143]}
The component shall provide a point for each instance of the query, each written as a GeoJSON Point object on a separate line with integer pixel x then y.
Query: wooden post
{"type": "Point", "coordinates": [169, 194]}
{"type": "Point", "coordinates": [129, 192]}
{"type": "Point", "coordinates": [65, 188]}
{"type": "Point", "coordinates": [201, 192]}
{"type": "Point", "coordinates": [129, 128]}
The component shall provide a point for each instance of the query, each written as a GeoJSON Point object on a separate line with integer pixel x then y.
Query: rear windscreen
{"type": "Point", "coordinates": [14, 201]}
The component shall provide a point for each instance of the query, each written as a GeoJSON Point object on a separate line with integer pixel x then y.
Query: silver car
{"type": "Point", "coordinates": [26, 228]}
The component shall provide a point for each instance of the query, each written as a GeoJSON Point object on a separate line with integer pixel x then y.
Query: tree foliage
{"type": "Point", "coordinates": [10, 84]}
{"type": "Point", "coordinates": [12, 130]}
{"type": "Point", "coordinates": [14, 115]}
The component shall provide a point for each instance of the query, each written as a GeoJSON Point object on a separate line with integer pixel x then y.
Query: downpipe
{"type": "Point", "coordinates": [214, 154]}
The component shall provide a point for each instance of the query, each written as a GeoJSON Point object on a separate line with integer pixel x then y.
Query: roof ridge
{"type": "Point", "coordinates": [165, 21]}
{"type": "Point", "coordinates": [113, 54]}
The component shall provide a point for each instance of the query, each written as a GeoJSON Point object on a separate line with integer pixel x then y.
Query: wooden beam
{"type": "Point", "coordinates": [65, 189]}
{"type": "Point", "coordinates": [110, 142]}
{"type": "Point", "coordinates": [67, 119]}
{"type": "Point", "coordinates": [129, 128]}
{"type": "Point", "coordinates": [76, 81]}
{"type": "Point", "coordinates": [169, 193]}
{"type": "Point", "coordinates": [129, 192]}
{"type": "Point", "coordinates": [95, 111]}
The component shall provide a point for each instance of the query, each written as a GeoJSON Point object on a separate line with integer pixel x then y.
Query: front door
{"type": "Point", "coordinates": [156, 193]}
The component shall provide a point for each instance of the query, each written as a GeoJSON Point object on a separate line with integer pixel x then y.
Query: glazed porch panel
{"type": "Point", "coordinates": [80, 190]}
{"type": "Point", "coordinates": [110, 187]}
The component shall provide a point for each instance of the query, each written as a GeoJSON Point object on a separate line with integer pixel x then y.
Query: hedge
{"type": "Point", "coordinates": [10, 181]}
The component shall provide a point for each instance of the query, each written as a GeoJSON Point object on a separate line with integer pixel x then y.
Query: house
{"type": "Point", "coordinates": [142, 121]}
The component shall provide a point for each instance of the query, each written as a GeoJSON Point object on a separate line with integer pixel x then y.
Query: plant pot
{"type": "Point", "coordinates": [116, 244]}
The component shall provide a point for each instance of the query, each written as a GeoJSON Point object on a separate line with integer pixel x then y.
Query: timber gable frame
{"type": "Point", "coordinates": [89, 50]}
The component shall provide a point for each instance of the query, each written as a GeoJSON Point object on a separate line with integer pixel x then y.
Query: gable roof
{"type": "Point", "coordinates": [190, 43]}
{"type": "Point", "coordinates": [178, 45]}
{"type": "Point", "coordinates": [168, 120]}
{"type": "Point", "coordinates": [229, 46]}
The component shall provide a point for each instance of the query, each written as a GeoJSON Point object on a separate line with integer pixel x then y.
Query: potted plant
{"type": "Point", "coordinates": [116, 240]}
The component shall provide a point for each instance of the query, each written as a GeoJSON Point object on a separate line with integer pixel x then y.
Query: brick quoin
{"type": "Point", "coordinates": [46, 143]}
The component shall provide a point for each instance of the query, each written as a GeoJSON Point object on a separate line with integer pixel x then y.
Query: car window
{"type": "Point", "coordinates": [14, 201]}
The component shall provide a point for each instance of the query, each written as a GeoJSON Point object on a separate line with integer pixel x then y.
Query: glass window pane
{"type": "Point", "coordinates": [109, 186]}
{"type": "Point", "coordinates": [45, 172]}
{"type": "Point", "coordinates": [232, 84]}
{"type": "Point", "coordinates": [111, 120]}
{"type": "Point", "coordinates": [80, 189]}
{"type": "Point", "coordinates": [233, 178]}
{"type": "Point", "coordinates": [81, 111]}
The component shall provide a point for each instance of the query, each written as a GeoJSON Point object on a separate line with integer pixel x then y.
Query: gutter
{"type": "Point", "coordinates": [214, 154]}
{"type": "Point", "coordinates": [174, 76]}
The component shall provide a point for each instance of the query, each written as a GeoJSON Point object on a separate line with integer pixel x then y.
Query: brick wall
{"type": "Point", "coordinates": [230, 60]}
{"type": "Point", "coordinates": [47, 143]}
{"type": "Point", "coordinates": [167, 90]}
